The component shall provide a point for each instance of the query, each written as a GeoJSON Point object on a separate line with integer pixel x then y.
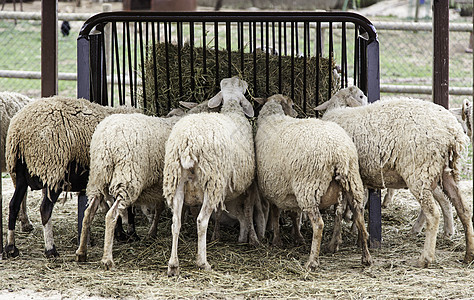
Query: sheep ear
{"type": "Point", "coordinates": [260, 101]}
{"type": "Point", "coordinates": [465, 109]}
{"type": "Point", "coordinates": [187, 104]}
{"type": "Point", "coordinates": [215, 101]}
{"type": "Point", "coordinates": [247, 107]}
{"type": "Point", "coordinates": [322, 106]}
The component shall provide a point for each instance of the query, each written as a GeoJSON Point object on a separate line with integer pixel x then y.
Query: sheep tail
{"type": "Point", "coordinates": [187, 159]}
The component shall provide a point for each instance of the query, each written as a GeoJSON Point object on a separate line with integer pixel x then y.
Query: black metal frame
{"type": "Point", "coordinates": [265, 30]}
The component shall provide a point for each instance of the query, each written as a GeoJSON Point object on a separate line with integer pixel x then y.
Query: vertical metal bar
{"type": "Point", "coordinates": [375, 219]}
{"type": "Point", "coordinates": [318, 60]}
{"type": "Point", "coordinates": [356, 55]}
{"type": "Point", "coordinates": [216, 49]}
{"type": "Point", "coordinates": [135, 61]}
{"type": "Point", "coordinates": [117, 57]}
{"type": "Point", "coordinates": [155, 48]}
{"type": "Point", "coordinates": [292, 78]}
{"type": "Point", "coordinates": [343, 57]}
{"type": "Point", "coordinates": [191, 57]}
{"type": "Point", "coordinates": [124, 50]}
{"type": "Point", "coordinates": [279, 57]}
{"type": "Point", "coordinates": [305, 42]}
{"type": "Point", "coordinates": [95, 68]}
{"type": "Point", "coordinates": [254, 37]}
{"type": "Point", "coordinates": [284, 38]}
{"type": "Point", "coordinates": [83, 75]}
{"type": "Point", "coordinates": [103, 71]}
{"type": "Point", "coordinates": [179, 29]}
{"type": "Point", "coordinates": [331, 54]}
{"type": "Point", "coordinates": [273, 38]}
{"type": "Point", "coordinates": [112, 53]}
{"type": "Point", "coordinates": [261, 36]}
{"type": "Point", "coordinates": [204, 68]}
{"type": "Point", "coordinates": [241, 45]}
{"type": "Point", "coordinates": [142, 60]}
{"type": "Point", "coordinates": [130, 72]}
{"type": "Point", "coordinates": [267, 61]}
{"type": "Point", "coordinates": [297, 53]}
{"type": "Point", "coordinates": [441, 53]}
{"type": "Point", "coordinates": [229, 48]}
{"type": "Point", "coordinates": [167, 64]}
{"type": "Point", "coordinates": [49, 48]}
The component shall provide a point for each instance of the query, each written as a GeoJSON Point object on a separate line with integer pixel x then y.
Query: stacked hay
{"type": "Point", "coordinates": [166, 95]}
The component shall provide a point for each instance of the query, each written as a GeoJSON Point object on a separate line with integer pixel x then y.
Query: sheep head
{"type": "Point", "coordinates": [232, 89]}
{"type": "Point", "coordinates": [467, 116]}
{"type": "Point", "coordinates": [285, 102]}
{"type": "Point", "coordinates": [348, 97]}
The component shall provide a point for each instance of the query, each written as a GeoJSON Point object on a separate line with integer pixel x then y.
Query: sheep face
{"type": "Point", "coordinates": [348, 97]}
{"type": "Point", "coordinates": [467, 116]}
{"type": "Point", "coordinates": [232, 89]}
{"type": "Point", "coordinates": [286, 103]}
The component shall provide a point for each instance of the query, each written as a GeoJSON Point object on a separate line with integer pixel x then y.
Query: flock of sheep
{"type": "Point", "coordinates": [210, 160]}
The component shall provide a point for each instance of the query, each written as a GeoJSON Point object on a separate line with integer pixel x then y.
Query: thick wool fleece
{"type": "Point", "coordinates": [217, 147]}
{"type": "Point", "coordinates": [300, 157]}
{"type": "Point", "coordinates": [403, 142]}
{"type": "Point", "coordinates": [10, 104]}
{"type": "Point", "coordinates": [48, 134]}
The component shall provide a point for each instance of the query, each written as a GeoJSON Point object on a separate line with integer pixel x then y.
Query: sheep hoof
{"type": "Point", "coordinates": [254, 242]}
{"type": "Point", "coordinates": [424, 262]}
{"type": "Point", "coordinates": [173, 270]}
{"type": "Point", "coordinates": [204, 266]}
{"type": "Point", "coordinates": [107, 264]}
{"type": "Point", "coordinates": [81, 257]}
{"type": "Point", "coordinates": [11, 251]}
{"type": "Point", "coordinates": [469, 257]}
{"type": "Point", "coordinates": [332, 248]}
{"type": "Point", "coordinates": [27, 227]}
{"type": "Point", "coordinates": [51, 253]}
{"type": "Point", "coordinates": [312, 265]}
{"type": "Point", "coordinates": [367, 260]}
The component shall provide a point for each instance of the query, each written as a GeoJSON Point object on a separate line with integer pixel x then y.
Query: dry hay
{"type": "Point", "coordinates": [204, 80]}
{"type": "Point", "coordinates": [239, 270]}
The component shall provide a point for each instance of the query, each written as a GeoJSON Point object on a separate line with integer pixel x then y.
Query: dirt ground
{"type": "Point", "coordinates": [239, 271]}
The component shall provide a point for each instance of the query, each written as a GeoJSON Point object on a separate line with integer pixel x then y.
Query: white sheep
{"type": "Point", "coordinates": [10, 104]}
{"type": "Point", "coordinates": [303, 165]}
{"type": "Point", "coordinates": [126, 164]}
{"type": "Point", "coordinates": [415, 144]}
{"type": "Point", "coordinates": [47, 146]}
{"type": "Point", "coordinates": [210, 155]}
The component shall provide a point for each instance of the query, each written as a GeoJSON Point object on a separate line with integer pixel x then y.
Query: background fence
{"type": "Point", "coordinates": [406, 53]}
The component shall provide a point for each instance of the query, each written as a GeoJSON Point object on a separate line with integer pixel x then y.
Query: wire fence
{"type": "Point", "coordinates": [406, 54]}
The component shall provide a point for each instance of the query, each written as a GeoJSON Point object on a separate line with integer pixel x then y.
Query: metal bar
{"type": "Point", "coordinates": [167, 66]}
{"type": "Point", "coordinates": [155, 70]}
{"type": "Point", "coordinates": [228, 48]}
{"type": "Point", "coordinates": [292, 65]}
{"type": "Point", "coordinates": [204, 70]}
{"type": "Point", "coordinates": [112, 52]}
{"type": "Point", "coordinates": [343, 57]}
{"type": "Point", "coordinates": [441, 53]}
{"type": "Point", "coordinates": [83, 75]}
{"type": "Point", "coordinates": [279, 58]}
{"type": "Point", "coordinates": [216, 50]}
{"type": "Point", "coordinates": [49, 48]}
{"type": "Point", "coordinates": [318, 59]}
{"type": "Point", "coordinates": [180, 69]}
{"type": "Point", "coordinates": [254, 37]}
{"type": "Point", "coordinates": [129, 52]}
{"type": "Point", "coordinates": [356, 55]}
{"type": "Point", "coordinates": [95, 68]}
{"type": "Point", "coordinates": [124, 50]}
{"type": "Point", "coordinates": [142, 60]}
{"type": "Point", "coordinates": [305, 53]}
{"type": "Point", "coordinates": [267, 61]}
{"type": "Point", "coordinates": [331, 54]}
{"type": "Point", "coordinates": [191, 56]}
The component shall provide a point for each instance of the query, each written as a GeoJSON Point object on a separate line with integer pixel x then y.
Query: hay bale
{"type": "Point", "coordinates": [161, 95]}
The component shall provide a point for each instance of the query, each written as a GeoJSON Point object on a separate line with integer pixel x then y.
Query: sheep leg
{"type": "Point", "coordinates": [216, 235]}
{"type": "Point", "coordinates": [261, 215]}
{"type": "Point", "coordinates": [131, 232]}
{"type": "Point", "coordinates": [446, 208]}
{"type": "Point", "coordinates": [21, 187]}
{"type": "Point", "coordinates": [317, 224]}
{"type": "Point", "coordinates": [159, 207]}
{"type": "Point", "coordinates": [247, 224]}
{"type": "Point", "coordinates": [26, 225]}
{"type": "Point", "coordinates": [432, 214]}
{"type": "Point", "coordinates": [464, 213]}
{"type": "Point", "coordinates": [387, 199]}
{"type": "Point", "coordinates": [363, 235]}
{"type": "Point", "coordinates": [177, 207]}
{"type": "Point", "coordinates": [336, 238]}
{"type": "Point", "coordinates": [202, 222]}
{"type": "Point", "coordinates": [46, 210]}
{"type": "Point", "coordinates": [89, 213]}
{"type": "Point", "coordinates": [275, 222]}
{"type": "Point", "coordinates": [296, 228]}
{"type": "Point", "coordinates": [110, 222]}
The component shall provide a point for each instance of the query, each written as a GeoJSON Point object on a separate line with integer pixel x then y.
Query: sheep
{"type": "Point", "coordinates": [303, 165]}
{"type": "Point", "coordinates": [126, 163]}
{"type": "Point", "coordinates": [414, 144]}
{"type": "Point", "coordinates": [47, 146]}
{"type": "Point", "coordinates": [10, 104]}
{"type": "Point", "coordinates": [211, 156]}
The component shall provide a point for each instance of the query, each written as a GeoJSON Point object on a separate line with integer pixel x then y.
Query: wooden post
{"type": "Point", "coordinates": [441, 53]}
{"type": "Point", "coordinates": [49, 48]}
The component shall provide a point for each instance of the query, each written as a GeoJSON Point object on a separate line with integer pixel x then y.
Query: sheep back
{"type": "Point", "coordinates": [303, 156]}
{"type": "Point", "coordinates": [49, 133]}
{"type": "Point", "coordinates": [129, 149]}
{"type": "Point", "coordinates": [402, 143]}
{"type": "Point", "coordinates": [10, 104]}
{"type": "Point", "coordinates": [201, 142]}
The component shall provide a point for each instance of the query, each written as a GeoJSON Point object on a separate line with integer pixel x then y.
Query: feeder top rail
{"type": "Point", "coordinates": [233, 16]}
